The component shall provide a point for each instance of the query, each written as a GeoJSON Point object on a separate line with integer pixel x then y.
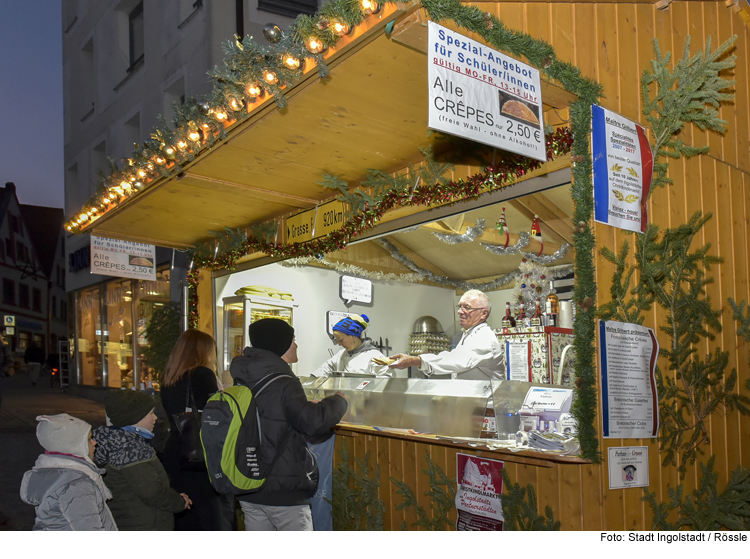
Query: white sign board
{"type": "Point", "coordinates": [623, 165]}
{"type": "Point", "coordinates": [629, 399]}
{"type": "Point", "coordinates": [482, 94]}
{"type": "Point", "coordinates": [124, 259]}
{"type": "Point", "coordinates": [539, 398]}
{"type": "Point", "coordinates": [628, 466]}
{"type": "Point", "coordinates": [355, 289]}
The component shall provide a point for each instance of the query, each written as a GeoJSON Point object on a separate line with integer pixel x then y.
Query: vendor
{"type": "Point", "coordinates": [356, 353]}
{"type": "Point", "coordinates": [478, 356]}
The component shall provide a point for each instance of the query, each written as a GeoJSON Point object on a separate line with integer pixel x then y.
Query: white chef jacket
{"type": "Point", "coordinates": [358, 361]}
{"type": "Point", "coordinates": [478, 356]}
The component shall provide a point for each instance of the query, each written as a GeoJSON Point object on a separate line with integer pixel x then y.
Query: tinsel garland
{"type": "Point", "coordinates": [546, 259]}
{"type": "Point", "coordinates": [471, 234]}
{"type": "Point", "coordinates": [352, 270]}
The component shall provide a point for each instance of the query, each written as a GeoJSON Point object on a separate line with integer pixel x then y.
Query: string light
{"type": "Point", "coordinates": [270, 76]}
{"type": "Point", "coordinates": [234, 104]}
{"type": "Point", "coordinates": [253, 89]}
{"type": "Point", "coordinates": [291, 61]}
{"type": "Point", "coordinates": [314, 45]}
{"type": "Point", "coordinates": [194, 135]}
{"type": "Point", "coordinates": [370, 7]}
{"type": "Point", "coordinates": [220, 115]}
{"type": "Point", "coordinates": [340, 28]}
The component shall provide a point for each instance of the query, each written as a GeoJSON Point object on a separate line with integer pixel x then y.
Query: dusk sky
{"type": "Point", "coordinates": [31, 100]}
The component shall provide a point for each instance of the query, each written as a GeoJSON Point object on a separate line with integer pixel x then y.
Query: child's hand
{"type": "Point", "coordinates": [188, 502]}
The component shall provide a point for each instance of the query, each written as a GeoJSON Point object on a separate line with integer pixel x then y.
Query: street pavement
{"type": "Point", "coordinates": [21, 403]}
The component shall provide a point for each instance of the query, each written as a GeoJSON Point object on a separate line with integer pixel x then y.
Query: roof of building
{"type": "Point", "coordinates": [6, 195]}
{"type": "Point", "coordinates": [44, 226]}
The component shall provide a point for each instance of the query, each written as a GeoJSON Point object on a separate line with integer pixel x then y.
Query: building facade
{"type": "Point", "coordinates": [125, 63]}
{"type": "Point", "coordinates": [34, 303]}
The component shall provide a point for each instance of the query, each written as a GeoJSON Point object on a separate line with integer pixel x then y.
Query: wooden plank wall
{"type": "Point", "coordinates": [611, 42]}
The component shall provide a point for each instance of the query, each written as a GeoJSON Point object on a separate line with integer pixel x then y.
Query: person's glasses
{"type": "Point", "coordinates": [467, 308]}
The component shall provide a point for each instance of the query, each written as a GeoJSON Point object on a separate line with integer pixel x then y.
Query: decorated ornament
{"type": "Point", "coordinates": [204, 108]}
{"type": "Point", "coordinates": [272, 32]}
{"type": "Point", "coordinates": [488, 20]}
{"type": "Point", "coordinates": [502, 228]}
{"type": "Point", "coordinates": [536, 233]}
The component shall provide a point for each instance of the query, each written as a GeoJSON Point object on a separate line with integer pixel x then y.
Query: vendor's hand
{"type": "Point", "coordinates": [188, 502]}
{"type": "Point", "coordinates": [341, 394]}
{"type": "Point", "coordinates": [404, 361]}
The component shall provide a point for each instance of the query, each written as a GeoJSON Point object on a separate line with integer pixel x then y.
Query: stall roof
{"type": "Point", "coordinates": [370, 114]}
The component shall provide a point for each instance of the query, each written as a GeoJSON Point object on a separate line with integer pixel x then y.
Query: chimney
{"type": "Point", "coordinates": [11, 186]}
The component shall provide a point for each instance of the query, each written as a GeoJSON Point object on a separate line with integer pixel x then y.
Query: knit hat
{"type": "Point", "coordinates": [352, 325]}
{"type": "Point", "coordinates": [63, 433]}
{"type": "Point", "coordinates": [127, 407]}
{"type": "Point", "coordinates": [272, 334]}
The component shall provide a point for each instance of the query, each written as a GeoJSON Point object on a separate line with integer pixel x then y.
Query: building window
{"type": "Point", "coordinates": [36, 299]}
{"type": "Point", "coordinates": [9, 292]}
{"type": "Point", "coordinates": [54, 307]}
{"type": "Point", "coordinates": [289, 8]}
{"type": "Point", "coordinates": [135, 29]}
{"type": "Point", "coordinates": [2, 251]}
{"type": "Point", "coordinates": [64, 310]}
{"type": "Point", "coordinates": [23, 296]}
{"type": "Point", "coordinates": [10, 249]}
{"type": "Point", "coordinates": [13, 221]}
{"type": "Point", "coordinates": [20, 252]}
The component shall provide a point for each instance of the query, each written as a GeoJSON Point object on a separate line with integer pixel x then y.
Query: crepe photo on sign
{"type": "Point", "coordinates": [140, 261]}
{"type": "Point", "coordinates": [515, 108]}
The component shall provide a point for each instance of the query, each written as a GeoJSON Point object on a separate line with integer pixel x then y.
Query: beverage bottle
{"type": "Point", "coordinates": [508, 320]}
{"type": "Point", "coordinates": [520, 317]}
{"type": "Point", "coordinates": [489, 423]}
{"type": "Point", "coordinates": [536, 319]}
{"type": "Point", "coordinates": [552, 306]}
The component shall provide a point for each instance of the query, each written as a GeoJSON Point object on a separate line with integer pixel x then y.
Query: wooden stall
{"type": "Point", "coordinates": [371, 114]}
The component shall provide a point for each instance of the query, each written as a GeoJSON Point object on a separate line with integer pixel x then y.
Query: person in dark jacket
{"type": "Point", "coordinates": [189, 378]}
{"type": "Point", "coordinates": [6, 363]}
{"type": "Point", "coordinates": [142, 498]}
{"type": "Point", "coordinates": [287, 418]}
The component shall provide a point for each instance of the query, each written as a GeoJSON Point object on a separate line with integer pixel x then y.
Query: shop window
{"type": "Point", "coordinates": [150, 296]}
{"type": "Point", "coordinates": [135, 35]}
{"type": "Point", "coordinates": [9, 292]}
{"type": "Point", "coordinates": [88, 337]}
{"type": "Point", "coordinates": [36, 299]}
{"type": "Point", "coordinates": [117, 337]}
{"type": "Point", "coordinates": [289, 8]}
{"type": "Point", "coordinates": [23, 296]}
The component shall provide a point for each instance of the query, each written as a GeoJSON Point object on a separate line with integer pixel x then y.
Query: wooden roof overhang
{"type": "Point", "coordinates": [371, 113]}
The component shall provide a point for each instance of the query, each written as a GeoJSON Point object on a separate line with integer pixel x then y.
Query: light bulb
{"type": "Point", "coordinates": [253, 89]}
{"type": "Point", "coordinates": [182, 144]}
{"type": "Point", "coordinates": [194, 135]}
{"type": "Point", "coordinates": [340, 28]}
{"type": "Point", "coordinates": [270, 76]}
{"type": "Point", "coordinates": [234, 104]}
{"type": "Point", "coordinates": [220, 115]}
{"type": "Point", "coordinates": [291, 62]}
{"type": "Point", "coordinates": [124, 185]}
{"type": "Point", "coordinates": [314, 45]}
{"type": "Point", "coordinates": [142, 173]}
{"type": "Point", "coordinates": [370, 7]}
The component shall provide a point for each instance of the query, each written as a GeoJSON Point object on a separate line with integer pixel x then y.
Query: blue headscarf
{"type": "Point", "coordinates": [352, 325]}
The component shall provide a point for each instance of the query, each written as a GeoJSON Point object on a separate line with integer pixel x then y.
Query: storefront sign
{"type": "Point", "coordinates": [629, 399]}
{"type": "Point", "coordinates": [628, 466]}
{"type": "Point", "coordinates": [314, 223]}
{"type": "Point", "coordinates": [123, 259]}
{"type": "Point", "coordinates": [479, 93]}
{"type": "Point", "coordinates": [480, 484]}
{"type": "Point", "coordinates": [29, 325]}
{"type": "Point", "coordinates": [80, 259]}
{"type": "Point", "coordinates": [357, 290]}
{"type": "Point", "coordinates": [623, 164]}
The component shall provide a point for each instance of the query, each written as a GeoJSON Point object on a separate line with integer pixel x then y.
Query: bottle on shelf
{"type": "Point", "coordinates": [536, 318]}
{"type": "Point", "coordinates": [520, 317]}
{"type": "Point", "coordinates": [508, 320]}
{"type": "Point", "coordinates": [552, 306]}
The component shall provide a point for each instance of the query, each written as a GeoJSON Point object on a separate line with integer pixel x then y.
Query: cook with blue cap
{"type": "Point", "coordinates": [357, 351]}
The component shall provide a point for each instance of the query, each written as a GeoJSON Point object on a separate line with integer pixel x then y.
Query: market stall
{"type": "Point", "coordinates": [393, 213]}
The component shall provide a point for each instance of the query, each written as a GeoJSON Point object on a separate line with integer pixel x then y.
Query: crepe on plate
{"type": "Point", "coordinates": [383, 360]}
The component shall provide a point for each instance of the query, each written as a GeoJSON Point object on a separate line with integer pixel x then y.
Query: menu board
{"type": "Point", "coordinates": [124, 259]}
{"type": "Point", "coordinates": [355, 289]}
{"type": "Point", "coordinates": [629, 399]}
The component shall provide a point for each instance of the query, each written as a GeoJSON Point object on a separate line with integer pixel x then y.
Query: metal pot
{"type": "Point", "coordinates": [427, 325]}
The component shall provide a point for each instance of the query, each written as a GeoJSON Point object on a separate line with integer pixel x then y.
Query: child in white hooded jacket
{"type": "Point", "coordinates": [65, 486]}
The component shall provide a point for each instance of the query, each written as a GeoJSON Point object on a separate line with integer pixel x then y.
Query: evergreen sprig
{"type": "Point", "coordinates": [442, 495]}
{"type": "Point", "coordinates": [691, 92]}
{"type": "Point", "coordinates": [355, 504]}
{"type": "Point", "coordinates": [520, 509]}
{"type": "Point", "coordinates": [705, 508]}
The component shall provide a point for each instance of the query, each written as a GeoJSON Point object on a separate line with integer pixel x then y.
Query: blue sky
{"type": "Point", "coordinates": [31, 100]}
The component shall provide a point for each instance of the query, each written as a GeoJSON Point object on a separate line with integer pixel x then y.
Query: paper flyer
{"type": "Point", "coordinates": [480, 484]}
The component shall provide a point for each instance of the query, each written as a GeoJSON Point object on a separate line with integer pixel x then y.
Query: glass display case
{"type": "Point", "coordinates": [241, 311]}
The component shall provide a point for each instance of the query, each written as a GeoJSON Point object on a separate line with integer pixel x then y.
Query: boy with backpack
{"type": "Point", "coordinates": [287, 418]}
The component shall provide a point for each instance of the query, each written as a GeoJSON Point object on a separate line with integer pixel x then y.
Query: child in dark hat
{"type": "Point", "coordinates": [142, 497]}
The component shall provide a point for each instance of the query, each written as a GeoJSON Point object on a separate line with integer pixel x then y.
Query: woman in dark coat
{"type": "Point", "coordinates": [191, 365]}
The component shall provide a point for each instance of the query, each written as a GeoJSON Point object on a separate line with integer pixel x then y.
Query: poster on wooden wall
{"type": "Point", "coordinates": [482, 94]}
{"type": "Point", "coordinates": [629, 399]}
{"type": "Point", "coordinates": [480, 484]}
{"type": "Point", "coordinates": [623, 166]}
{"type": "Point", "coordinates": [627, 466]}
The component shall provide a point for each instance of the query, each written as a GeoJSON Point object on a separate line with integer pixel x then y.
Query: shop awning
{"type": "Point", "coordinates": [371, 113]}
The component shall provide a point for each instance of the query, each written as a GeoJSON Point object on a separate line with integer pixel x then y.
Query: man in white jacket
{"type": "Point", "coordinates": [478, 355]}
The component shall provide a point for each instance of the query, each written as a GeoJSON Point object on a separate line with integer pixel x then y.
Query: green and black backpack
{"type": "Point", "coordinates": [231, 436]}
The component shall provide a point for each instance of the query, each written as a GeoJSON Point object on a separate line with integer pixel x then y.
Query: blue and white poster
{"type": "Point", "coordinates": [630, 403]}
{"type": "Point", "coordinates": [623, 167]}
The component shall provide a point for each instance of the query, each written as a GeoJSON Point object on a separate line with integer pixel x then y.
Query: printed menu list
{"type": "Point", "coordinates": [629, 398]}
